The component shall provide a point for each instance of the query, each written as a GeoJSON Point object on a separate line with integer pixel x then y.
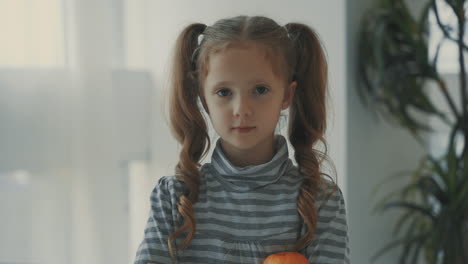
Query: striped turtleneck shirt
{"type": "Point", "coordinates": [244, 214]}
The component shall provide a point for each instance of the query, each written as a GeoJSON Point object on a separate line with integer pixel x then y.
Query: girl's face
{"type": "Point", "coordinates": [241, 91]}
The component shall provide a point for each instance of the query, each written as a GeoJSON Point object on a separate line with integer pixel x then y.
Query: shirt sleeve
{"type": "Point", "coordinates": [160, 225]}
{"type": "Point", "coordinates": [331, 242]}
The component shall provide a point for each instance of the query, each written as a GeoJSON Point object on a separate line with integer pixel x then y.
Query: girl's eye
{"type": "Point", "coordinates": [226, 92]}
{"type": "Point", "coordinates": [261, 89]}
{"type": "Point", "coordinates": [223, 92]}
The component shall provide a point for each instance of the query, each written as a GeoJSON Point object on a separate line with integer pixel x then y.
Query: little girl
{"type": "Point", "coordinates": [251, 201]}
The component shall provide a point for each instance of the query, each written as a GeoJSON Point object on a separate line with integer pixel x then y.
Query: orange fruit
{"type": "Point", "coordinates": [286, 258]}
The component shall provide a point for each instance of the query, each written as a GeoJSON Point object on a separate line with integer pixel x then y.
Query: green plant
{"type": "Point", "coordinates": [395, 69]}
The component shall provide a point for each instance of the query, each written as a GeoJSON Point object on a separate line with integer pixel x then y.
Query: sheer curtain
{"type": "Point", "coordinates": [74, 166]}
{"type": "Point", "coordinates": [97, 231]}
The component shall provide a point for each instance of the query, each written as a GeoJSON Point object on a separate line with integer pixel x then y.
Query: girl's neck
{"type": "Point", "coordinates": [259, 154]}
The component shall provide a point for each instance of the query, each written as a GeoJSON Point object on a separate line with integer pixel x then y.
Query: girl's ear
{"type": "Point", "coordinates": [288, 95]}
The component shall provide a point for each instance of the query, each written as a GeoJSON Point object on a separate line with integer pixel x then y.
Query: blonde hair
{"type": "Point", "coordinates": [298, 51]}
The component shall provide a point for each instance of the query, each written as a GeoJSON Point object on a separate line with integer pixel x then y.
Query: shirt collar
{"type": "Point", "coordinates": [252, 176]}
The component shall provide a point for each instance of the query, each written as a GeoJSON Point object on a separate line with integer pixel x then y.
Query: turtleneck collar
{"type": "Point", "coordinates": [253, 176]}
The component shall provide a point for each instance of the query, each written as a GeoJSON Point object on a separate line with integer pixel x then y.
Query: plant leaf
{"type": "Point", "coordinates": [394, 244]}
{"type": "Point", "coordinates": [411, 206]}
{"type": "Point", "coordinates": [401, 221]}
{"type": "Point", "coordinates": [452, 162]}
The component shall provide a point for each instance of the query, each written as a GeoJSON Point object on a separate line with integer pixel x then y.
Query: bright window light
{"type": "Point", "coordinates": [448, 54]}
{"type": "Point", "coordinates": [31, 33]}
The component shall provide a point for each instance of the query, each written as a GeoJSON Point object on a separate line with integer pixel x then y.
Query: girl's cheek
{"type": "Point", "coordinates": [221, 103]}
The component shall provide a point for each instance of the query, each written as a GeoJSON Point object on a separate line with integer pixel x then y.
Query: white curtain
{"type": "Point", "coordinates": [97, 233]}
{"type": "Point", "coordinates": [76, 144]}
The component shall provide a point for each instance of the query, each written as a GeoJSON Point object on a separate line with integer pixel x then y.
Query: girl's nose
{"type": "Point", "coordinates": [242, 108]}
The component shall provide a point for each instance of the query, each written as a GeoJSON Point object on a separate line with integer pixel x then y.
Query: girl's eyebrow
{"type": "Point", "coordinates": [222, 83]}
{"type": "Point", "coordinates": [226, 83]}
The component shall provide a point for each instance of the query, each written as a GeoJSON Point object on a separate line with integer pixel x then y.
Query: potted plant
{"type": "Point", "coordinates": [394, 70]}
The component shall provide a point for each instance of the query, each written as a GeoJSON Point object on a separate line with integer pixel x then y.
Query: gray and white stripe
{"type": "Point", "coordinates": [244, 214]}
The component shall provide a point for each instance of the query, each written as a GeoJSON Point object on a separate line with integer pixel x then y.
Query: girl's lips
{"type": "Point", "coordinates": [243, 129]}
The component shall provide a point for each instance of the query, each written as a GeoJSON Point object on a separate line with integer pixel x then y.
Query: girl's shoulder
{"type": "Point", "coordinates": [330, 193]}
{"type": "Point", "coordinates": [169, 185]}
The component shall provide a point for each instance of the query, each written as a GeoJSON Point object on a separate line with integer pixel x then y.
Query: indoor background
{"type": "Point", "coordinates": [84, 137]}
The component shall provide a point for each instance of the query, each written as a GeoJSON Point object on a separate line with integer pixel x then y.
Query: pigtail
{"type": "Point", "coordinates": [307, 120]}
{"type": "Point", "coordinates": [188, 127]}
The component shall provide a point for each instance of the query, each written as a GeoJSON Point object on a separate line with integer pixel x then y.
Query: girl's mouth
{"type": "Point", "coordinates": [244, 129]}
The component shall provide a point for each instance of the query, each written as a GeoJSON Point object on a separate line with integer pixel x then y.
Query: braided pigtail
{"type": "Point", "coordinates": [307, 121]}
{"type": "Point", "coordinates": [188, 126]}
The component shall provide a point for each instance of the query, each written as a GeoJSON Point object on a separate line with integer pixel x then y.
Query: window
{"type": "Point", "coordinates": [31, 33]}
{"type": "Point", "coordinates": [448, 54]}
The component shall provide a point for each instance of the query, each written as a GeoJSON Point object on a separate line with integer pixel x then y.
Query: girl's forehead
{"type": "Point", "coordinates": [265, 52]}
